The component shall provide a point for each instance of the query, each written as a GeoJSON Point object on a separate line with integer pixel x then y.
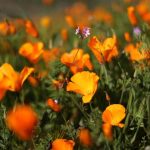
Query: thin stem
{"type": "Point", "coordinates": [67, 125]}
{"type": "Point", "coordinates": [69, 69]}
{"type": "Point", "coordinates": [33, 144]}
{"type": "Point", "coordinates": [80, 108]}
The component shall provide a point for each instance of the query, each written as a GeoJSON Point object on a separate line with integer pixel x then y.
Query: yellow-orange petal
{"type": "Point", "coordinates": [84, 83]}
{"type": "Point", "coordinates": [114, 114]}
{"type": "Point", "coordinates": [25, 74]}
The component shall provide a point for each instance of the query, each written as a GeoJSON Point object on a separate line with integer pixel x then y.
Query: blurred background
{"type": "Point", "coordinates": [36, 8]}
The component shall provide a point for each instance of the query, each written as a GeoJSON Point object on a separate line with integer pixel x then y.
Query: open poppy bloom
{"type": "Point", "coordinates": [53, 105]}
{"type": "Point", "coordinates": [85, 137]}
{"type": "Point", "coordinates": [7, 28]}
{"type": "Point", "coordinates": [76, 60]}
{"type": "Point", "coordinates": [12, 80]}
{"type": "Point", "coordinates": [31, 51]}
{"type": "Point", "coordinates": [30, 28]}
{"type": "Point", "coordinates": [131, 15]}
{"type": "Point", "coordinates": [84, 83]}
{"type": "Point", "coordinates": [135, 54]}
{"type": "Point", "coordinates": [62, 144]}
{"type": "Point", "coordinates": [22, 121]}
{"type": "Point", "coordinates": [112, 116]}
{"type": "Point", "coordinates": [103, 51]}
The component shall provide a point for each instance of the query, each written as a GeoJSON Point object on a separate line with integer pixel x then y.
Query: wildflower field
{"type": "Point", "coordinates": [77, 77]}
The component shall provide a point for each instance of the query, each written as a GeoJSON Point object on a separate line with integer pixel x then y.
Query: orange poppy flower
{"type": "Point", "coordinates": [135, 54]}
{"type": "Point", "coordinates": [76, 19]}
{"type": "Point", "coordinates": [85, 137]}
{"type": "Point", "coordinates": [131, 15]}
{"type": "Point", "coordinates": [127, 37]}
{"type": "Point", "coordinates": [53, 105]}
{"type": "Point", "coordinates": [45, 21]}
{"type": "Point", "coordinates": [64, 34]}
{"type": "Point", "coordinates": [144, 10]}
{"type": "Point", "coordinates": [47, 2]}
{"type": "Point", "coordinates": [84, 83]}
{"type": "Point", "coordinates": [63, 144]}
{"type": "Point", "coordinates": [70, 21]}
{"type": "Point", "coordinates": [33, 81]}
{"type": "Point", "coordinates": [7, 28]}
{"type": "Point", "coordinates": [107, 130]}
{"type": "Point", "coordinates": [30, 28]}
{"type": "Point", "coordinates": [12, 80]}
{"type": "Point", "coordinates": [50, 55]}
{"type": "Point", "coordinates": [32, 51]}
{"type": "Point", "coordinates": [101, 14]}
{"type": "Point", "coordinates": [112, 116]}
{"type": "Point", "coordinates": [22, 121]}
{"type": "Point", "coordinates": [103, 51]}
{"type": "Point", "coordinates": [76, 60]}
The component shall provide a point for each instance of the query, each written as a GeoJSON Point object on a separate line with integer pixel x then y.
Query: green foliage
{"type": "Point", "coordinates": [126, 82]}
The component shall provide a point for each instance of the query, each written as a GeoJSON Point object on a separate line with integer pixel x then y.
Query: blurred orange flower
{"type": "Point", "coordinates": [144, 10]}
{"type": "Point", "coordinates": [103, 51]}
{"type": "Point", "coordinates": [33, 81]}
{"type": "Point", "coordinates": [70, 21]}
{"type": "Point", "coordinates": [22, 121]}
{"type": "Point", "coordinates": [75, 18]}
{"type": "Point", "coordinates": [47, 2]}
{"type": "Point", "coordinates": [101, 14]}
{"type": "Point", "coordinates": [112, 116]}
{"type": "Point", "coordinates": [64, 34]}
{"type": "Point", "coordinates": [131, 15]}
{"type": "Point", "coordinates": [76, 60]}
{"type": "Point", "coordinates": [84, 83]}
{"type": "Point", "coordinates": [53, 105]}
{"type": "Point", "coordinates": [85, 137]}
{"type": "Point", "coordinates": [50, 55]}
{"type": "Point", "coordinates": [7, 28]}
{"type": "Point", "coordinates": [32, 51]}
{"type": "Point", "coordinates": [12, 80]}
{"type": "Point", "coordinates": [30, 28]}
{"type": "Point", "coordinates": [45, 21]}
{"type": "Point", "coordinates": [135, 54]}
{"type": "Point", "coordinates": [63, 144]}
{"type": "Point", "coordinates": [127, 36]}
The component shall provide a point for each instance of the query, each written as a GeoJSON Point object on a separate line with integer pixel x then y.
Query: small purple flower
{"type": "Point", "coordinates": [86, 32]}
{"type": "Point", "coordinates": [136, 31]}
{"type": "Point", "coordinates": [83, 32]}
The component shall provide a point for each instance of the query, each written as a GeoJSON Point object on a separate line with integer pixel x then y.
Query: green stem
{"type": "Point", "coordinates": [80, 108]}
